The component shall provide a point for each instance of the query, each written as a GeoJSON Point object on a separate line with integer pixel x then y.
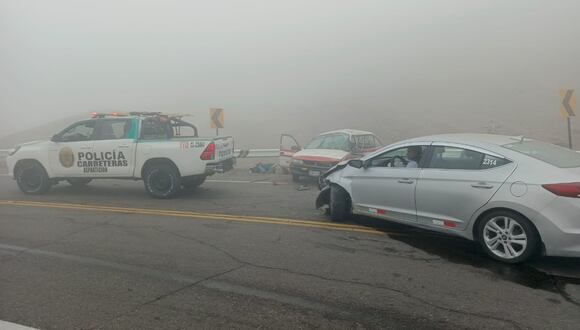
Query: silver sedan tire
{"type": "Point", "coordinates": [339, 204]}
{"type": "Point", "coordinates": [508, 237]}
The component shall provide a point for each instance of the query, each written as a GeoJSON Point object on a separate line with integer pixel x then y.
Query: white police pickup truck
{"type": "Point", "coordinates": [162, 150]}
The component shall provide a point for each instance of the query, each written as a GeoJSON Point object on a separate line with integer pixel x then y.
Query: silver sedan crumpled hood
{"type": "Point", "coordinates": [322, 182]}
{"type": "Point", "coordinates": [335, 168]}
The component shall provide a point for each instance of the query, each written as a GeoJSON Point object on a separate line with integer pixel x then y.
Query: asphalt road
{"type": "Point", "coordinates": [250, 251]}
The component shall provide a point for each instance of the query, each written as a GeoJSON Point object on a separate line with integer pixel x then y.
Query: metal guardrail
{"type": "Point", "coordinates": [256, 153]}
{"type": "Point", "coordinates": [239, 153]}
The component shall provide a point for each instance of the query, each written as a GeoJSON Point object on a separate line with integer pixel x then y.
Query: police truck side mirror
{"type": "Point", "coordinates": [55, 138]}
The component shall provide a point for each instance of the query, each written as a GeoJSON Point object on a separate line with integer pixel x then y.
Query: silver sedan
{"type": "Point", "coordinates": [517, 197]}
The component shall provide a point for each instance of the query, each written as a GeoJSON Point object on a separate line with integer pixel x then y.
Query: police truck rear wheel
{"type": "Point", "coordinates": [78, 182]}
{"type": "Point", "coordinates": [339, 204]}
{"type": "Point", "coordinates": [162, 181]}
{"type": "Point", "coordinates": [32, 178]}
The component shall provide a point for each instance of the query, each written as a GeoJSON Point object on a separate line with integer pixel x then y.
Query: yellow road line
{"type": "Point", "coordinates": [189, 213]}
{"type": "Point", "coordinates": [196, 215]}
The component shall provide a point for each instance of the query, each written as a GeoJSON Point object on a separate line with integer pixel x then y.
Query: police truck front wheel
{"type": "Point", "coordinates": [162, 181]}
{"type": "Point", "coordinates": [32, 178]}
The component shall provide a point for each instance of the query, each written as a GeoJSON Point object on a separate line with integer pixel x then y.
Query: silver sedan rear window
{"type": "Point", "coordinates": [546, 152]}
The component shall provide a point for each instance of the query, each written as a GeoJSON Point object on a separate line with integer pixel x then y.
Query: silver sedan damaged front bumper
{"type": "Point", "coordinates": [323, 198]}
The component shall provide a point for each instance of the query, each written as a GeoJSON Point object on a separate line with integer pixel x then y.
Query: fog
{"type": "Point", "coordinates": [398, 68]}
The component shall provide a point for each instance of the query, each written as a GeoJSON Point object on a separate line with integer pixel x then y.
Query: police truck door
{"type": "Point", "coordinates": [67, 146]}
{"type": "Point", "coordinates": [114, 148]}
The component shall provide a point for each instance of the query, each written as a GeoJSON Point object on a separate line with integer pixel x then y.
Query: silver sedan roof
{"type": "Point", "coordinates": [473, 139]}
{"type": "Point", "coordinates": [349, 132]}
{"type": "Point", "coordinates": [489, 143]}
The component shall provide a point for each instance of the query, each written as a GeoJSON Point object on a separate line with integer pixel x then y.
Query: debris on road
{"type": "Point", "coordinates": [278, 183]}
{"type": "Point", "coordinates": [262, 168]}
{"type": "Point", "coordinates": [302, 188]}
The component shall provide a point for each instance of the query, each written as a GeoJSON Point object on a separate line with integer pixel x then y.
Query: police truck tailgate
{"type": "Point", "coordinates": [224, 148]}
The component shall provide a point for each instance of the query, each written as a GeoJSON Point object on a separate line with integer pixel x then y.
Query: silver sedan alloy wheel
{"type": "Point", "coordinates": [505, 237]}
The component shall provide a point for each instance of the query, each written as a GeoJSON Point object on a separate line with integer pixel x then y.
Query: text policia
{"type": "Point", "coordinates": [99, 162]}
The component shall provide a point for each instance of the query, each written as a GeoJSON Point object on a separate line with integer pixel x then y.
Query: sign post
{"type": "Point", "coordinates": [569, 133]}
{"type": "Point", "coordinates": [216, 116]}
{"type": "Point", "coordinates": [567, 108]}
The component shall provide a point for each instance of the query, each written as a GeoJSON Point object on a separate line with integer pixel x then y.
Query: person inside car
{"type": "Point", "coordinates": [413, 156]}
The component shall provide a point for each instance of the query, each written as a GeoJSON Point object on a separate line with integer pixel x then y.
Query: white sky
{"type": "Point", "coordinates": [287, 65]}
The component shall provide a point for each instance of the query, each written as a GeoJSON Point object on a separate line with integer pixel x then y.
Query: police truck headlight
{"type": "Point", "coordinates": [297, 162]}
{"type": "Point", "coordinates": [13, 151]}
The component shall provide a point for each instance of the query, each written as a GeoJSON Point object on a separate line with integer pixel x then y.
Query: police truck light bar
{"type": "Point", "coordinates": [95, 114]}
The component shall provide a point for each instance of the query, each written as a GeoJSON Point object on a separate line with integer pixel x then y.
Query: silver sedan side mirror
{"type": "Point", "coordinates": [356, 163]}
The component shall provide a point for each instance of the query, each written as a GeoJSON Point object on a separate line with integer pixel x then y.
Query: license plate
{"type": "Point", "coordinates": [314, 173]}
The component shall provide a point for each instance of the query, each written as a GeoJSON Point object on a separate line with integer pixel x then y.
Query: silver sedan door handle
{"type": "Point", "coordinates": [405, 180]}
{"type": "Point", "coordinates": [482, 185]}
